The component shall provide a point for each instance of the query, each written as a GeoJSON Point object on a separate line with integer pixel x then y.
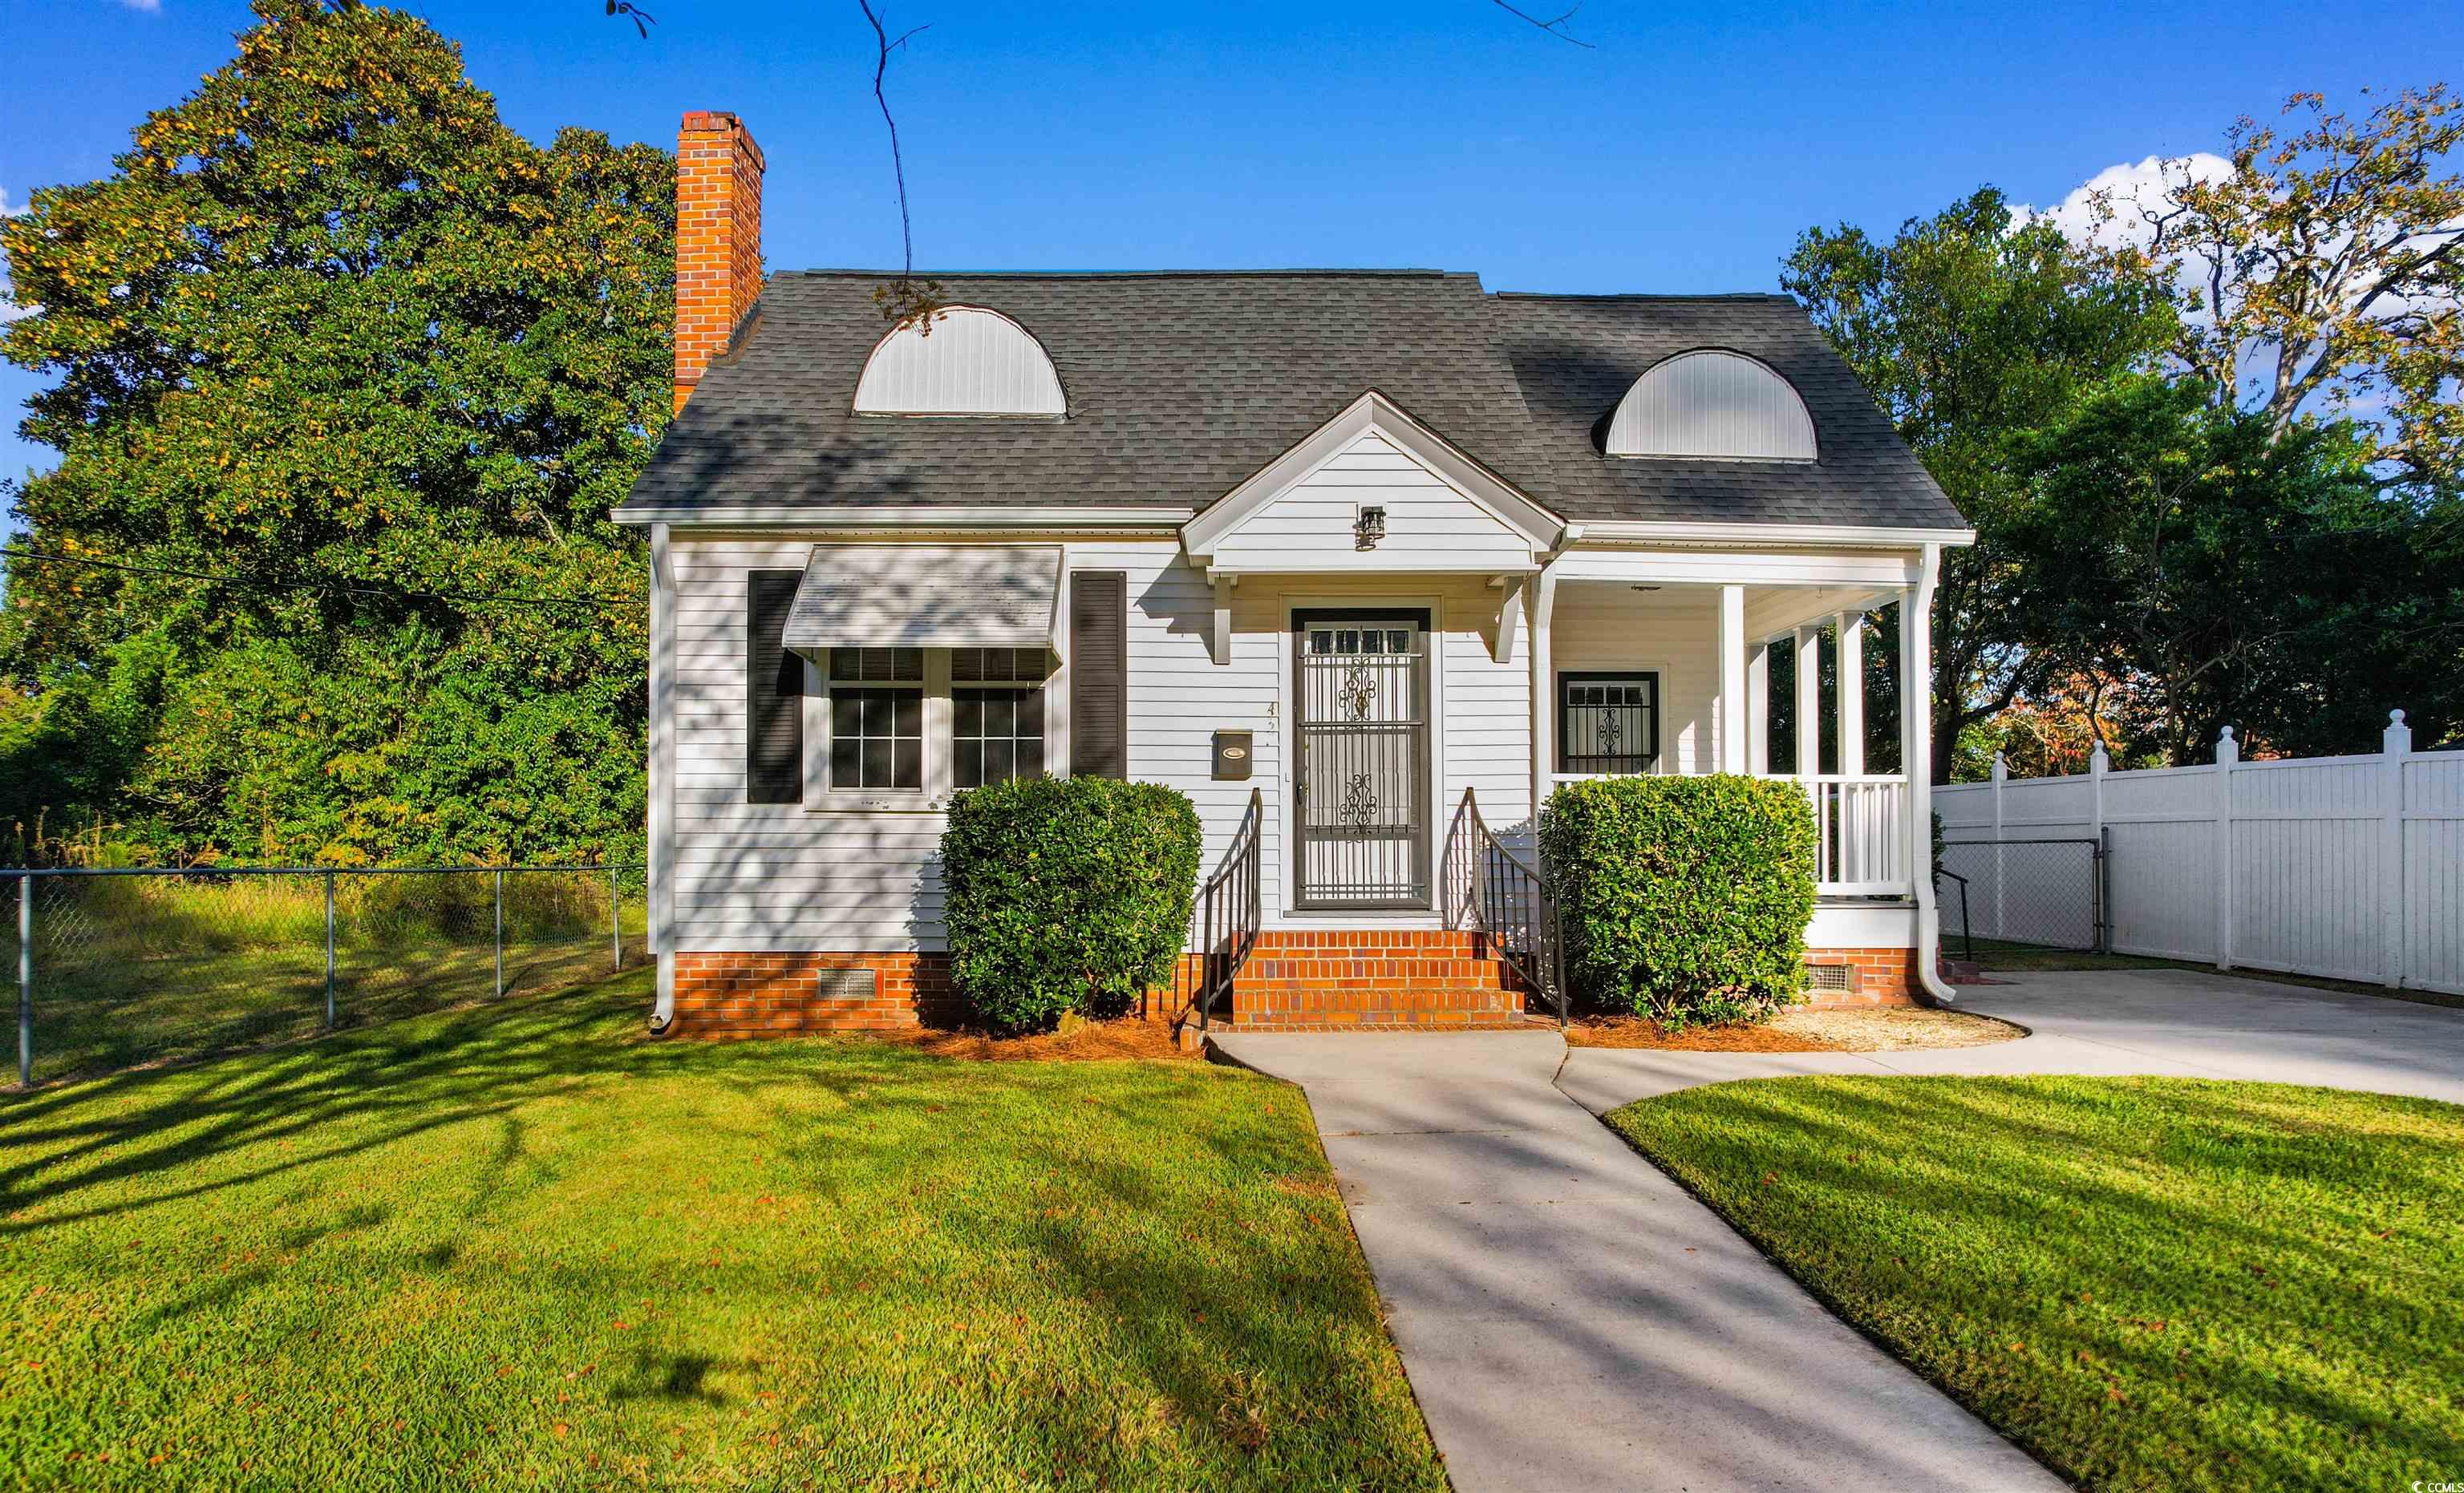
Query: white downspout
{"type": "Point", "coordinates": [662, 775]}
{"type": "Point", "coordinates": [1916, 757]}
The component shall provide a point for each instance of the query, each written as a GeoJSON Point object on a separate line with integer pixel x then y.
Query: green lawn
{"type": "Point", "coordinates": [2151, 1284]}
{"type": "Point", "coordinates": [521, 1246]}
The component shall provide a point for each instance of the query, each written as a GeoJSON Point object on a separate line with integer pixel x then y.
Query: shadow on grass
{"type": "Point", "coordinates": [1064, 1258]}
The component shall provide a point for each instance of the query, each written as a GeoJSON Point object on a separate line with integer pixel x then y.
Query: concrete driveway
{"type": "Point", "coordinates": [2172, 1022]}
{"type": "Point", "coordinates": [1571, 1319]}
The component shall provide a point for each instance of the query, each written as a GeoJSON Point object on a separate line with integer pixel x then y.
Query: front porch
{"type": "Point", "coordinates": [1414, 705]}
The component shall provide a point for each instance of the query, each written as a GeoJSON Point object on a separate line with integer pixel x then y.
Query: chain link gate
{"type": "Point", "coordinates": [2040, 892]}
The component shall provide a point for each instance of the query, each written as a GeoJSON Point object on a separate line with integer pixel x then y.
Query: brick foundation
{"type": "Point", "coordinates": [1876, 978]}
{"type": "Point", "coordinates": [1347, 979]}
{"type": "Point", "coordinates": [778, 995]}
{"type": "Point", "coordinates": [1368, 979]}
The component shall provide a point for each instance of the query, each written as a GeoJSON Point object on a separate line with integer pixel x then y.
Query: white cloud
{"type": "Point", "coordinates": [2150, 185]}
{"type": "Point", "coordinates": [149, 7]}
{"type": "Point", "coordinates": [10, 310]}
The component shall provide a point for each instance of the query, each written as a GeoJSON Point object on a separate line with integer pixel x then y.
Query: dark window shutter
{"type": "Point", "coordinates": [1099, 673]}
{"type": "Point", "coordinates": [774, 693]}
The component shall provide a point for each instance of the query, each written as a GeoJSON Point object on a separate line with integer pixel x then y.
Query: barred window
{"type": "Point", "coordinates": [1608, 722]}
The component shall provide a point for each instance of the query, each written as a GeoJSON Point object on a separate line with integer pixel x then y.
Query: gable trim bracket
{"type": "Point", "coordinates": [1371, 413]}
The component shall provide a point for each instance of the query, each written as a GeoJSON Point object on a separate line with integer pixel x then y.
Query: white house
{"type": "Point", "coordinates": [1367, 544]}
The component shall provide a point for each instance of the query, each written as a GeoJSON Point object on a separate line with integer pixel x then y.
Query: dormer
{"type": "Point", "coordinates": [959, 361]}
{"type": "Point", "coordinates": [1712, 403]}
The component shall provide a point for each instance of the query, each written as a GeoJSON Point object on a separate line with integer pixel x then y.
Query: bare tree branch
{"type": "Point", "coordinates": [898, 162]}
{"type": "Point", "coordinates": [1554, 25]}
{"type": "Point", "coordinates": [905, 301]}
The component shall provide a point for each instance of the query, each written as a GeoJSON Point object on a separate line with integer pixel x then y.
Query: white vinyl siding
{"type": "Point", "coordinates": [1429, 524]}
{"type": "Point", "coordinates": [757, 877]}
{"type": "Point", "coordinates": [1675, 633]}
{"type": "Point", "coordinates": [783, 877]}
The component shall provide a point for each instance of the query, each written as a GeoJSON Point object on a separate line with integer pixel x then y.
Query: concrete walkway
{"type": "Point", "coordinates": [1571, 1319]}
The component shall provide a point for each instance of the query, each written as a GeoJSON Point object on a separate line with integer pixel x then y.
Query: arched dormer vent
{"type": "Point", "coordinates": [969, 361]}
{"type": "Point", "coordinates": [1713, 403]}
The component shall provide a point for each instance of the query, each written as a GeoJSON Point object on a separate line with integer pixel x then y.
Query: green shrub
{"type": "Point", "coordinates": [1685, 899]}
{"type": "Point", "coordinates": [1066, 894]}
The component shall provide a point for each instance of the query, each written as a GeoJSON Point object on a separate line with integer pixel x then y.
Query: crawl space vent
{"type": "Point", "coordinates": [845, 985]}
{"type": "Point", "coordinates": [1827, 976]}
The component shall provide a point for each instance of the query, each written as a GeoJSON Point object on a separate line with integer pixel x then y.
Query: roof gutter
{"type": "Point", "coordinates": [939, 518]}
{"type": "Point", "coordinates": [1626, 531]}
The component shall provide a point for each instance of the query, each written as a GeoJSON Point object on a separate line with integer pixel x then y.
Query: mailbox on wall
{"type": "Point", "coordinates": [1231, 755]}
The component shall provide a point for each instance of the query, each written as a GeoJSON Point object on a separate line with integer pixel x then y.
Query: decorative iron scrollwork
{"type": "Point", "coordinates": [1358, 695]}
{"type": "Point", "coordinates": [1360, 804]}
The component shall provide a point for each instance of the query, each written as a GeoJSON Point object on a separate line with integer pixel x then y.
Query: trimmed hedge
{"type": "Point", "coordinates": [1066, 894]}
{"type": "Point", "coordinates": [1685, 899]}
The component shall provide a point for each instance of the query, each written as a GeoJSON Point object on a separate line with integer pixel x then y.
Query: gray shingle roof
{"type": "Point", "coordinates": [1180, 385]}
{"type": "Point", "coordinates": [1576, 356]}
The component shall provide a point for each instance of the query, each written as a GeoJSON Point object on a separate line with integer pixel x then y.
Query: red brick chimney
{"type": "Point", "coordinates": [718, 238]}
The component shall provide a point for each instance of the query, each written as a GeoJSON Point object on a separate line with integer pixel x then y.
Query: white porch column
{"type": "Point", "coordinates": [1539, 600]}
{"type": "Point", "coordinates": [1733, 757]}
{"type": "Point", "coordinates": [1758, 706]}
{"type": "Point", "coordinates": [662, 824]}
{"type": "Point", "coordinates": [1916, 757]}
{"type": "Point", "coordinates": [1851, 631]}
{"type": "Point", "coordinates": [1809, 699]}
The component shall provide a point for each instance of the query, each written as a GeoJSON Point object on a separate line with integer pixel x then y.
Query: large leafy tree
{"type": "Point", "coordinates": [332, 331]}
{"type": "Point", "coordinates": [1969, 327]}
{"type": "Point", "coordinates": [2232, 573]}
{"type": "Point", "coordinates": [2320, 270]}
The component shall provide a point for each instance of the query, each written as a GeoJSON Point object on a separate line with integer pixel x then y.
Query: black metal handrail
{"type": "Point", "coordinates": [1966, 928]}
{"type": "Point", "coordinates": [1511, 903]}
{"type": "Point", "coordinates": [1226, 920]}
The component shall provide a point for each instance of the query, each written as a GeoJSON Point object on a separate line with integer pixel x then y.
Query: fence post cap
{"type": "Point", "coordinates": [2228, 750]}
{"type": "Point", "coordinates": [2398, 736]}
{"type": "Point", "coordinates": [2097, 759]}
{"type": "Point", "coordinates": [2001, 767]}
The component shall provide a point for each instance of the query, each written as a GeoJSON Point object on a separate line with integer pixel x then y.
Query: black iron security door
{"type": "Point", "coordinates": [1362, 767]}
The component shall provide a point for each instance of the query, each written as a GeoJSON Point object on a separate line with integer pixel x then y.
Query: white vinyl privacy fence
{"type": "Point", "coordinates": [2350, 868]}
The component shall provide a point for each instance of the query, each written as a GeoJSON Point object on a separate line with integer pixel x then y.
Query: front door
{"type": "Point", "coordinates": [1361, 771]}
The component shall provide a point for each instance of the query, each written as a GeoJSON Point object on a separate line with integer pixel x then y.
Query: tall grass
{"type": "Point", "coordinates": [130, 969]}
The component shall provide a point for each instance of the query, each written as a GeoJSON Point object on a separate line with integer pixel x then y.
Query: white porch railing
{"type": "Point", "coordinates": [1861, 827]}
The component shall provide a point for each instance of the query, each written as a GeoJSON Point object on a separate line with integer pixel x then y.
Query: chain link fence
{"type": "Point", "coordinates": [115, 968]}
{"type": "Point", "coordinates": [2044, 893]}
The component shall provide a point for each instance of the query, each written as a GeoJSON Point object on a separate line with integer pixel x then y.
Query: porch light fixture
{"type": "Point", "coordinates": [1368, 527]}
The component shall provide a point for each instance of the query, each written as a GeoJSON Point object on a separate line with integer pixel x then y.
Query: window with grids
{"type": "Point", "coordinates": [1360, 640]}
{"type": "Point", "coordinates": [996, 714]}
{"type": "Point", "coordinates": [1607, 722]}
{"type": "Point", "coordinates": [877, 719]}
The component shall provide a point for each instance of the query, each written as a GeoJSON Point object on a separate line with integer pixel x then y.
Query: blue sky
{"type": "Point", "coordinates": [1682, 153]}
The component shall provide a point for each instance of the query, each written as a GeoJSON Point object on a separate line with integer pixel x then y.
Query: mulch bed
{"type": "Point", "coordinates": [1127, 1036]}
{"type": "Point", "coordinates": [1640, 1031]}
{"type": "Point", "coordinates": [1850, 1029]}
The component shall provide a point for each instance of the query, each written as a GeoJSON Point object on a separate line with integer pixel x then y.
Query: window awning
{"type": "Point", "coordinates": [928, 596]}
